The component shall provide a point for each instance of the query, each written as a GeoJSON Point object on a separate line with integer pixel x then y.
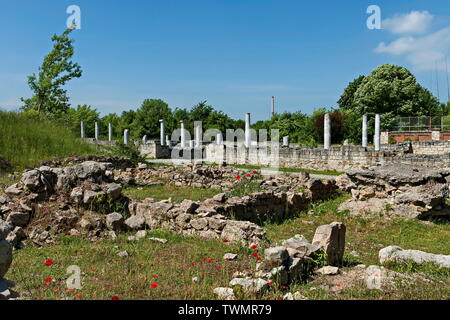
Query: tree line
{"type": "Point", "coordinates": [390, 90]}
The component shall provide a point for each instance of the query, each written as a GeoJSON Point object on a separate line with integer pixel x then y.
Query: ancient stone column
{"type": "Point", "coordinates": [286, 141]}
{"type": "Point", "coordinates": [183, 134]}
{"type": "Point", "coordinates": [219, 139]}
{"type": "Point", "coordinates": [247, 131]}
{"type": "Point", "coordinates": [364, 131]}
{"type": "Point", "coordinates": [96, 131]}
{"type": "Point", "coordinates": [167, 141]}
{"type": "Point", "coordinates": [126, 136]}
{"type": "Point", "coordinates": [144, 139]}
{"type": "Point", "coordinates": [110, 132]}
{"type": "Point", "coordinates": [376, 139]}
{"type": "Point", "coordinates": [327, 132]}
{"type": "Point", "coordinates": [198, 133]}
{"type": "Point", "coordinates": [273, 106]}
{"type": "Point", "coordinates": [162, 134]}
{"type": "Point", "coordinates": [82, 130]}
{"type": "Point", "coordinates": [191, 144]}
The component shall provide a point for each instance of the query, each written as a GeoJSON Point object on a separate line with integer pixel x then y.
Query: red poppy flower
{"type": "Point", "coordinates": [140, 264]}
{"type": "Point", "coordinates": [56, 290]}
{"type": "Point", "coordinates": [258, 258]}
{"type": "Point", "coordinates": [49, 262]}
{"type": "Point", "coordinates": [154, 285]}
{"type": "Point", "coordinates": [92, 269]}
{"type": "Point", "coordinates": [204, 259]}
{"type": "Point", "coordinates": [210, 260]}
{"type": "Point", "coordinates": [248, 175]}
{"type": "Point", "coordinates": [154, 276]}
{"type": "Point", "coordinates": [225, 240]}
{"type": "Point", "coordinates": [283, 287]}
{"type": "Point", "coordinates": [338, 284]}
{"type": "Point", "coordinates": [254, 246]}
{"type": "Point", "coordinates": [255, 172]}
{"type": "Point", "coordinates": [255, 254]}
{"type": "Point", "coordinates": [238, 178]}
{"type": "Point", "coordinates": [158, 261]}
{"type": "Point", "coordinates": [194, 264]}
{"type": "Point", "coordinates": [269, 283]}
{"type": "Point", "coordinates": [227, 259]}
{"type": "Point", "coordinates": [78, 295]}
{"type": "Point", "coordinates": [115, 298]}
{"type": "Point", "coordinates": [49, 279]}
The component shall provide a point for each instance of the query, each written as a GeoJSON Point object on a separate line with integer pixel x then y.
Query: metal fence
{"type": "Point", "coordinates": [421, 123]}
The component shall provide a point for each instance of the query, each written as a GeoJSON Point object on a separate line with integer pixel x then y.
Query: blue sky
{"type": "Point", "coordinates": [235, 54]}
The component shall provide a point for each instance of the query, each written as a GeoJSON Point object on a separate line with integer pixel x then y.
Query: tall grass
{"type": "Point", "coordinates": [26, 140]}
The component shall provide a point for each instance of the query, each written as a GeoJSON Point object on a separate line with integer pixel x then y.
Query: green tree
{"type": "Point", "coordinates": [84, 113]}
{"type": "Point", "coordinates": [56, 70]}
{"type": "Point", "coordinates": [393, 91]}
{"type": "Point", "coordinates": [346, 101]}
{"type": "Point", "coordinates": [146, 121]}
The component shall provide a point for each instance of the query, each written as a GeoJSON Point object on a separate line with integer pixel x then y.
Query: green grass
{"type": "Point", "coordinates": [323, 172]}
{"type": "Point", "coordinates": [166, 191]}
{"type": "Point", "coordinates": [25, 141]}
{"type": "Point", "coordinates": [104, 274]}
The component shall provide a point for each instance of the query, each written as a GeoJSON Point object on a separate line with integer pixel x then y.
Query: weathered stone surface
{"type": "Point", "coordinates": [397, 254]}
{"type": "Point", "coordinates": [300, 244]}
{"type": "Point", "coordinates": [188, 206]}
{"type": "Point", "coordinates": [113, 190]}
{"type": "Point", "coordinates": [250, 285]}
{"type": "Point", "coordinates": [89, 196]}
{"type": "Point", "coordinates": [328, 270]}
{"type": "Point", "coordinates": [276, 255]}
{"type": "Point", "coordinates": [229, 256]}
{"type": "Point", "coordinates": [115, 221]}
{"type": "Point", "coordinates": [5, 257]}
{"type": "Point", "coordinates": [14, 190]}
{"type": "Point", "coordinates": [135, 223]}
{"type": "Point", "coordinates": [20, 219]}
{"type": "Point", "coordinates": [199, 224]}
{"type": "Point", "coordinates": [400, 190]}
{"type": "Point", "coordinates": [5, 229]}
{"type": "Point", "coordinates": [159, 240]}
{"type": "Point", "coordinates": [224, 293]}
{"type": "Point", "coordinates": [331, 238]}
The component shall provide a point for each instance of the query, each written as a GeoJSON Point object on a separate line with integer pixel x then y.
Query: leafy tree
{"type": "Point", "coordinates": [56, 70]}
{"type": "Point", "coordinates": [346, 101]}
{"type": "Point", "coordinates": [84, 113]}
{"type": "Point", "coordinates": [114, 119]}
{"type": "Point", "coordinates": [393, 91]}
{"type": "Point", "coordinates": [146, 120]}
{"type": "Point", "coordinates": [126, 121]}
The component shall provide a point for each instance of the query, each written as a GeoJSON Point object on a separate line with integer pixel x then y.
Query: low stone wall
{"type": "Point", "coordinates": [433, 153]}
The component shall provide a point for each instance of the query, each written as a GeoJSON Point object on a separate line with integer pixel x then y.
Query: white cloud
{"type": "Point", "coordinates": [410, 23]}
{"type": "Point", "coordinates": [422, 52]}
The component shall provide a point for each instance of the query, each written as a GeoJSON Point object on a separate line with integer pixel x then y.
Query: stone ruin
{"type": "Point", "coordinates": [405, 191]}
{"type": "Point", "coordinates": [86, 199]}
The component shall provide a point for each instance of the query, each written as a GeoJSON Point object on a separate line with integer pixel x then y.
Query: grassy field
{"type": "Point", "coordinates": [170, 267]}
{"type": "Point", "coordinates": [25, 141]}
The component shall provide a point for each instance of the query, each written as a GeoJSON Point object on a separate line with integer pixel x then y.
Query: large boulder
{"type": "Point", "coordinates": [5, 257]}
{"type": "Point", "coordinates": [115, 221]}
{"type": "Point", "coordinates": [331, 238]}
{"type": "Point", "coordinates": [399, 255]}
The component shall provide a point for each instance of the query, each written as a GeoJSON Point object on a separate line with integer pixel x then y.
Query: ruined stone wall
{"type": "Point", "coordinates": [431, 153]}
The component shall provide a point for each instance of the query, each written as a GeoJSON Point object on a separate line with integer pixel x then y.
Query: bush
{"type": "Point", "coordinates": [130, 151]}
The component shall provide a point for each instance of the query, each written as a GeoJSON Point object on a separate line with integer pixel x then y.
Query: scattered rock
{"type": "Point", "coordinates": [224, 293]}
{"type": "Point", "coordinates": [163, 241]}
{"type": "Point", "coordinates": [328, 270]}
{"type": "Point", "coordinates": [123, 254]}
{"type": "Point", "coordinates": [331, 238]}
{"type": "Point", "coordinates": [397, 254]}
{"type": "Point", "coordinates": [276, 255]}
{"type": "Point", "coordinates": [229, 256]}
{"type": "Point", "coordinates": [115, 222]}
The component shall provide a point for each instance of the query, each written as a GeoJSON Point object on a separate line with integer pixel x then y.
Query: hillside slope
{"type": "Point", "coordinates": [25, 140]}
